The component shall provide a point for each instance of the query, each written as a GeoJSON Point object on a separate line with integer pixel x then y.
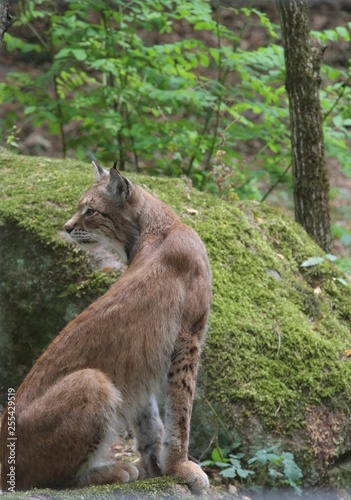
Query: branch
{"type": "Point", "coordinates": [278, 181]}
{"type": "Point", "coordinates": [341, 93]}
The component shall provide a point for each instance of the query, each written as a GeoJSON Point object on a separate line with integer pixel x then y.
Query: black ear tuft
{"type": "Point", "coordinates": [115, 165]}
{"type": "Point", "coordinates": [100, 173]}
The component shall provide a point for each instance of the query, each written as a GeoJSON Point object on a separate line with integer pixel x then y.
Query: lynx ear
{"type": "Point", "coordinates": [100, 173]}
{"type": "Point", "coordinates": [118, 184]}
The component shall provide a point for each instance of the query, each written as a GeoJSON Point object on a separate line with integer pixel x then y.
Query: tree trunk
{"type": "Point", "coordinates": [303, 57]}
{"type": "Point", "coordinates": [5, 18]}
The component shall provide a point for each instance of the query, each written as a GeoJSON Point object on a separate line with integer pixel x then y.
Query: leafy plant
{"type": "Point", "coordinates": [281, 467]}
{"type": "Point", "coordinates": [316, 261]}
{"type": "Point", "coordinates": [268, 467]}
{"type": "Point", "coordinates": [12, 140]}
{"type": "Point", "coordinates": [231, 464]}
{"type": "Point", "coordinates": [116, 81]}
{"type": "Point", "coordinates": [167, 107]}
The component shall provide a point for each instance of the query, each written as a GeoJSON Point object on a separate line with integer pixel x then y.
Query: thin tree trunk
{"type": "Point", "coordinates": [5, 18]}
{"type": "Point", "coordinates": [303, 58]}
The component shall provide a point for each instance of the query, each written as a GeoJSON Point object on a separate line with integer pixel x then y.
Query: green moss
{"type": "Point", "coordinates": [161, 487]}
{"type": "Point", "coordinates": [40, 195]}
{"type": "Point", "coordinates": [275, 347]}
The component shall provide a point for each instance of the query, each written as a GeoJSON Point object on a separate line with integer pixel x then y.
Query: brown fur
{"type": "Point", "coordinates": [105, 370]}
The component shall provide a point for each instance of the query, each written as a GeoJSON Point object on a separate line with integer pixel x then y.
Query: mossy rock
{"type": "Point", "coordinates": [274, 367]}
{"type": "Point", "coordinates": [160, 488]}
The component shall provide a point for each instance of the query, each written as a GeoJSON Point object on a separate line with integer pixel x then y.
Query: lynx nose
{"type": "Point", "coordinates": [71, 224]}
{"type": "Point", "coordinates": [68, 227]}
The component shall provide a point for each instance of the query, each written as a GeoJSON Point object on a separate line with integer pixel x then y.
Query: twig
{"type": "Point", "coordinates": [60, 118]}
{"type": "Point", "coordinates": [218, 419]}
{"type": "Point", "coordinates": [273, 186]}
{"type": "Point", "coordinates": [342, 92]}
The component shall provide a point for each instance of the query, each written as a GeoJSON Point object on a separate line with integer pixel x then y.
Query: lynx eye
{"type": "Point", "coordinates": [90, 212]}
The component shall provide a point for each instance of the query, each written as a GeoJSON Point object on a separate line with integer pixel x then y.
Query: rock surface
{"type": "Point", "coordinates": [275, 367]}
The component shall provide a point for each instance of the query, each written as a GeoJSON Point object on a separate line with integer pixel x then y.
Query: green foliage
{"type": "Point", "coordinates": [280, 466]}
{"type": "Point", "coordinates": [169, 106]}
{"type": "Point", "coordinates": [316, 261]}
{"type": "Point", "coordinates": [268, 467]}
{"type": "Point", "coordinates": [12, 140]}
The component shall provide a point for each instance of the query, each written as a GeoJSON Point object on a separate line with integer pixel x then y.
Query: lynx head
{"type": "Point", "coordinates": [105, 214]}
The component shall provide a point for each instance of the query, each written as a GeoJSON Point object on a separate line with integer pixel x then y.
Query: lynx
{"type": "Point", "coordinates": [107, 369]}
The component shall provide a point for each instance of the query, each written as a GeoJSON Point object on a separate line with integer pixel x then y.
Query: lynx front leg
{"type": "Point", "coordinates": [180, 394]}
{"type": "Point", "coordinates": [149, 433]}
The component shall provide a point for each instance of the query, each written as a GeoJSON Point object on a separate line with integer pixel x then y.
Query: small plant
{"type": "Point", "coordinates": [231, 465]}
{"type": "Point", "coordinates": [12, 141]}
{"type": "Point", "coordinates": [316, 261]}
{"type": "Point", "coordinates": [268, 467]}
{"type": "Point", "coordinates": [281, 468]}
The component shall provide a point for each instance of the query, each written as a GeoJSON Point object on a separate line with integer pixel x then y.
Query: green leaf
{"type": "Point", "coordinates": [291, 469]}
{"type": "Point", "coordinates": [338, 120]}
{"type": "Point", "coordinates": [79, 54]}
{"type": "Point", "coordinates": [217, 455]}
{"type": "Point", "coordinates": [237, 456]}
{"type": "Point", "coordinates": [202, 26]}
{"type": "Point", "coordinates": [206, 463]}
{"type": "Point", "coordinates": [204, 59]}
{"type": "Point", "coordinates": [222, 464]}
{"type": "Point", "coordinates": [313, 261]}
{"type": "Point", "coordinates": [63, 53]}
{"type": "Point", "coordinates": [29, 110]}
{"type": "Point", "coordinates": [343, 33]}
{"type": "Point", "coordinates": [230, 472]}
{"type": "Point", "coordinates": [342, 281]}
{"type": "Point", "coordinates": [14, 43]}
{"type": "Point", "coordinates": [275, 474]}
{"type": "Point", "coordinates": [243, 473]}
{"type": "Point", "coordinates": [54, 127]}
{"type": "Point", "coordinates": [331, 35]}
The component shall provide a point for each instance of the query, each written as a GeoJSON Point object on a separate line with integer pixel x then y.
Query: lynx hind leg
{"type": "Point", "coordinates": [99, 468]}
{"type": "Point", "coordinates": [148, 429]}
{"type": "Point", "coordinates": [178, 409]}
{"type": "Point", "coordinates": [64, 433]}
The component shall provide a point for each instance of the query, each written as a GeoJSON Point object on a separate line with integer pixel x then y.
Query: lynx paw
{"type": "Point", "coordinates": [148, 467]}
{"type": "Point", "coordinates": [142, 469]}
{"type": "Point", "coordinates": [192, 474]}
{"type": "Point", "coordinates": [117, 472]}
{"type": "Point", "coordinates": [126, 472]}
